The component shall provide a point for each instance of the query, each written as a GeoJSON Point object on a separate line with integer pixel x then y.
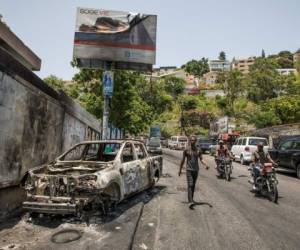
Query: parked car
{"type": "Point", "coordinates": [204, 144]}
{"type": "Point", "coordinates": [178, 142]}
{"type": "Point", "coordinates": [164, 142]}
{"type": "Point", "coordinates": [154, 146]}
{"type": "Point", "coordinates": [287, 154]}
{"type": "Point", "coordinates": [94, 172]}
{"type": "Point", "coordinates": [244, 147]}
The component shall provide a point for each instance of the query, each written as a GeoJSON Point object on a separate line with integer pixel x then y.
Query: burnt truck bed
{"type": "Point", "coordinates": [68, 186]}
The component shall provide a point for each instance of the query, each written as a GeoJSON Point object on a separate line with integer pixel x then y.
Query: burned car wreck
{"type": "Point", "coordinates": [91, 173]}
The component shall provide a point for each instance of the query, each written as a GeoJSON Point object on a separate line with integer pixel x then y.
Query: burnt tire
{"type": "Point", "coordinates": [111, 196]}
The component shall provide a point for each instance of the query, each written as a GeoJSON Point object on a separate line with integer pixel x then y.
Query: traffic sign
{"type": "Point", "coordinates": [108, 83]}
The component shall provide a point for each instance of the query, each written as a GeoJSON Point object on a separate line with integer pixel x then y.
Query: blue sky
{"type": "Point", "coordinates": [186, 29]}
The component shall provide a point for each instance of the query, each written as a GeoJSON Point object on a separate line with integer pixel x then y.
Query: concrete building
{"type": "Point", "coordinates": [243, 65]}
{"type": "Point", "coordinates": [219, 65]}
{"type": "Point", "coordinates": [296, 57]}
{"type": "Point", "coordinates": [286, 71]}
{"type": "Point", "coordinates": [209, 78]}
{"type": "Point", "coordinates": [192, 82]}
{"type": "Point", "coordinates": [164, 70]}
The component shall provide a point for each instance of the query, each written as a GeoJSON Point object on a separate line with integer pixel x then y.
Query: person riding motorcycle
{"type": "Point", "coordinates": [221, 151]}
{"type": "Point", "coordinates": [259, 158]}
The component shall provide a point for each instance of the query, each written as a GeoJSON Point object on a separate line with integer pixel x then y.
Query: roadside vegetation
{"type": "Point", "coordinates": [262, 98]}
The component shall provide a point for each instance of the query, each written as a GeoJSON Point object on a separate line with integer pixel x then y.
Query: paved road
{"type": "Point", "coordinates": [229, 218]}
{"type": "Point", "coordinates": [237, 220]}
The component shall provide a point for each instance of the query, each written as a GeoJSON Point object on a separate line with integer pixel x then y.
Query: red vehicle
{"type": "Point", "coordinates": [229, 138]}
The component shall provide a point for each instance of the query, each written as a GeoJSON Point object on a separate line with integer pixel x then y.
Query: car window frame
{"type": "Point", "coordinates": [262, 139]}
{"type": "Point", "coordinates": [143, 149]}
{"type": "Point", "coordinates": [59, 158]}
{"type": "Point", "coordinates": [88, 145]}
{"type": "Point", "coordinates": [296, 142]}
{"type": "Point", "coordinates": [133, 150]}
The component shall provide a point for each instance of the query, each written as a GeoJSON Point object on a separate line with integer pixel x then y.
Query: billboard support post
{"type": "Point", "coordinates": [107, 85]}
{"type": "Point", "coordinates": [105, 117]}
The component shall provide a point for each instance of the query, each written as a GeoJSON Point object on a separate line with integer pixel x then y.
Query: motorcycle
{"type": "Point", "coordinates": [224, 168]}
{"type": "Point", "coordinates": [266, 183]}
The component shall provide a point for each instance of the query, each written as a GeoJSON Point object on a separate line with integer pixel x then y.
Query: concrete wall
{"type": "Point", "coordinates": [276, 133]}
{"type": "Point", "coordinates": [30, 128]}
{"type": "Point", "coordinates": [36, 125]}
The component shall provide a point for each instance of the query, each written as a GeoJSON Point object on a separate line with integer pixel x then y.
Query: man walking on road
{"type": "Point", "coordinates": [192, 166]}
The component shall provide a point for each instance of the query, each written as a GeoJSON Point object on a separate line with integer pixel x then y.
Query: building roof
{"type": "Point", "coordinates": [16, 48]}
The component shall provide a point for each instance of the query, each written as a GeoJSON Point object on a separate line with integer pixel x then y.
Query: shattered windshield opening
{"type": "Point", "coordinates": [104, 152]}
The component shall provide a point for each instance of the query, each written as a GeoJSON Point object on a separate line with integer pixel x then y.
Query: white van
{"type": "Point", "coordinates": [178, 142]}
{"type": "Point", "coordinates": [244, 147]}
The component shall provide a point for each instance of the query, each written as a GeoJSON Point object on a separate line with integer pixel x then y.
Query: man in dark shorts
{"type": "Point", "coordinates": [192, 166]}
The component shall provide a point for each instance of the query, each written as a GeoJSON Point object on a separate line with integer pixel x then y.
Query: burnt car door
{"type": "Point", "coordinates": [284, 154]}
{"type": "Point", "coordinates": [130, 169]}
{"type": "Point", "coordinates": [144, 164]}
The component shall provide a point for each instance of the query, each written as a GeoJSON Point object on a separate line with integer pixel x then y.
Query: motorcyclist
{"type": "Point", "coordinates": [222, 151]}
{"type": "Point", "coordinates": [259, 158]}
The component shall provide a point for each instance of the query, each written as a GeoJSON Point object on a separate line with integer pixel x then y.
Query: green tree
{"type": "Point", "coordinates": [233, 87]}
{"type": "Point", "coordinates": [285, 59]}
{"type": "Point", "coordinates": [188, 102]}
{"type": "Point", "coordinates": [297, 62]}
{"type": "Point", "coordinates": [281, 110]}
{"type": "Point", "coordinates": [155, 95]}
{"type": "Point", "coordinates": [286, 108]}
{"type": "Point", "coordinates": [174, 86]}
{"type": "Point", "coordinates": [128, 110]}
{"type": "Point", "coordinates": [54, 82]}
{"type": "Point", "coordinates": [222, 104]}
{"type": "Point", "coordinates": [263, 80]}
{"type": "Point", "coordinates": [197, 68]}
{"type": "Point", "coordinates": [222, 56]}
{"type": "Point", "coordinates": [265, 118]}
{"type": "Point", "coordinates": [263, 55]}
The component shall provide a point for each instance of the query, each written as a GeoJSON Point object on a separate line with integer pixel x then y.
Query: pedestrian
{"type": "Point", "coordinates": [192, 155]}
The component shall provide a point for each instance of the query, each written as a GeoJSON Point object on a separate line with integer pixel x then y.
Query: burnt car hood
{"type": "Point", "coordinates": [69, 169]}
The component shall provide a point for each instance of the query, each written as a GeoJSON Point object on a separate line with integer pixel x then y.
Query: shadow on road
{"type": "Point", "coordinates": [200, 203]}
{"type": "Point", "coordinates": [92, 216]}
{"type": "Point", "coordinates": [243, 176]}
{"type": "Point", "coordinates": [286, 173]}
{"type": "Point", "coordinates": [125, 205]}
{"type": "Point", "coordinates": [223, 178]}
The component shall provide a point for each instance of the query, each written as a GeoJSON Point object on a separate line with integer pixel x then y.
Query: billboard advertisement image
{"type": "Point", "coordinates": [125, 38]}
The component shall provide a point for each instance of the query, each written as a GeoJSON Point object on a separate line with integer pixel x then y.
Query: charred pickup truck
{"type": "Point", "coordinates": [91, 173]}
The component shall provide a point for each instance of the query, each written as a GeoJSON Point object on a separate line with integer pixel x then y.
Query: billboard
{"type": "Point", "coordinates": [125, 38]}
{"type": "Point", "coordinates": [219, 126]}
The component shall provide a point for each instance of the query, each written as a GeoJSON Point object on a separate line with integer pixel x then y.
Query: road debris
{"type": "Point", "coordinates": [143, 246]}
